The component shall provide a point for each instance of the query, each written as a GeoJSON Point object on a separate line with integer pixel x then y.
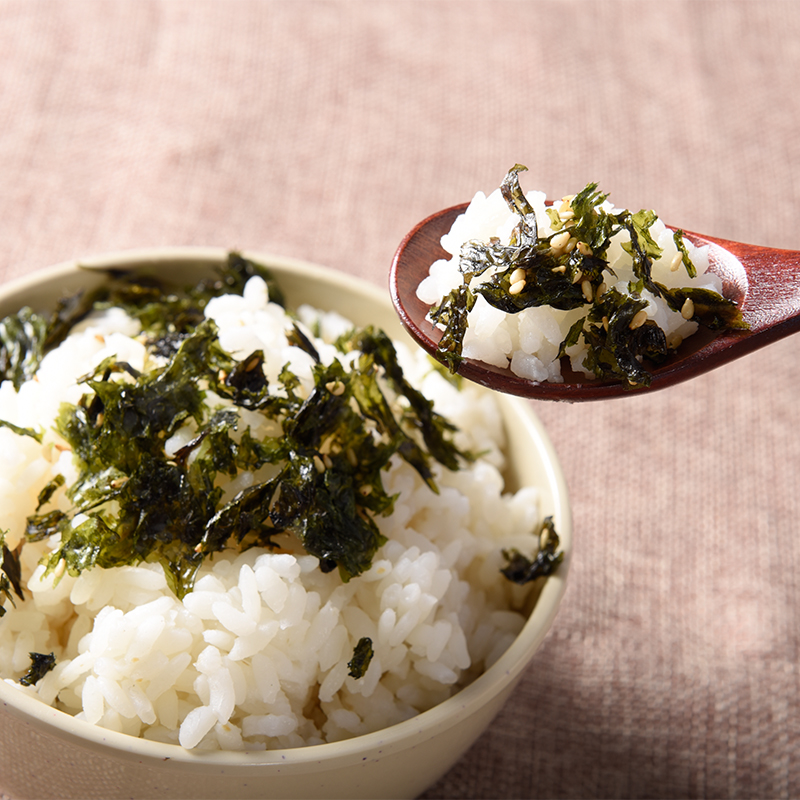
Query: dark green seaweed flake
{"type": "Point", "coordinates": [362, 656]}
{"type": "Point", "coordinates": [10, 575]}
{"type": "Point", "coordinates": [22, 338]}
{"type": "Point", "coordinates": [47, 493]}
{"type": "Point", "coordinates": [37, 435]}
{"type": "Point", "coordinates": [41, 664]}
{"type": "Point", "coordinates": [521, 569]}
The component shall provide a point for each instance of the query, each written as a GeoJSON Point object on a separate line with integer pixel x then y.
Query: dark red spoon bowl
{"type": "Point", "coordinates": [763, 281]}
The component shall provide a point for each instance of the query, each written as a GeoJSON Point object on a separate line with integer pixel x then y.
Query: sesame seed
{"type": "Point", "coordinates": [560, 240]}
{"type": "Point", "coordinates": [326, 460]}
{"type": "Point", "coordinates": [605, 323]}
{"type": "Point", "coordinates": [571, 245]}
{"type": "Point", "coordinates": [517, 287]}
{"type": "Point", "coordinates": [319, 465]}
{"type": "Point", "coordinates": [639, 319]}
{"type": "Point", "coordinates": [565, 215]}
{"type": "Point", "coordinates": [560, 268]}
{"type": "Point", "coordinates": [584, 249]}
{"type": "Point", "coordinates": [351, 457]}
{"type": "Point", "coordinates": [336, 388]}
{"type": "Point", "coordinates": [517, 275]}
{"type": "Point", "coordinates": [586, 288]}
{"type": "Point", "coordinates": [687, 310]}
{"type": "Point", "coordinates": [674, 341]}
{"type": "Point", "coordinates": [577, 277]}
{"type": "Point", "coordinates": [601, 290]}
{"type": "Point", "coordinates": [677, 260]}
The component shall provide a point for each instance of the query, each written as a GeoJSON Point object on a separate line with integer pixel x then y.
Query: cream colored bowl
{"type": "Point", "coordinates": [47, 753]}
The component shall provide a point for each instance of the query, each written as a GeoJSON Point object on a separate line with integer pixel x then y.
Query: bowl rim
{"type": "Point", "coordinates": [506, 670]}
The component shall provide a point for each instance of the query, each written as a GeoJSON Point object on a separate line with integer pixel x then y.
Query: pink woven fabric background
{"type": "Point", "coordinates": [325, 131]}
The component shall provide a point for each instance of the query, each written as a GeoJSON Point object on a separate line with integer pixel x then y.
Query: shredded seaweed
{"type": "Point", "coordinates": [41, 664]}
{"type": "Point", "coordinates": [362, 656]}
{"type": "Point", "coordinates": [47, 493]}
{"type": "Point", "coordinates": [569, 280]}
{"type": "Point", "coordinates": [133, 502]}
{"type": "Point", "coordinates": [27, 336]}
{"type": "Point", "coordinates": [37, 435]}
{"type": "Point", "coordinates": [10, 575]}
{"type": "Point", "coordinates": [521, 569]}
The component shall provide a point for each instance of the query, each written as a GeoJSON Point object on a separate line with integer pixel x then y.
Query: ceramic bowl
{"type": "Point", "coordinates": [47, 753]}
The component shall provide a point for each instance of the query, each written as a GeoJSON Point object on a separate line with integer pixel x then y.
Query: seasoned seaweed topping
{"type": "Point", "coordinates": [22, 337]}
{"type": "Point", "coordinates": [314, 466]}
{"type": "Point", "coordinates": [521, 569]}
{"type": "Point", "coordinates": [41, 664]}
{"type": "Point", "coordinates": [10, 575]}
{"type": "Point", "coordinates": [26, 337]}
{"type": "Point", "coordinates": [322, 462]}
{"type": "Point", "coordinates": [571, 278]}
{"type": "Point", "coordinates": [362, 655]}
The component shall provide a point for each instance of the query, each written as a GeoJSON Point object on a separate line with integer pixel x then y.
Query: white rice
{"type": "Point", "coordinates": [528, 342]}
{"type": "Point", "coordinates": [256, 656]}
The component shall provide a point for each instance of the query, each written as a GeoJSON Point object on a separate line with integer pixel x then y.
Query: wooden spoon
{"type": "Point", "coordinates": [763, 281]}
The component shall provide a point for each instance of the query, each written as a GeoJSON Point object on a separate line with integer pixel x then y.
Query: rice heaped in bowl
{"type": "Point", "coordinates": [278, 642]}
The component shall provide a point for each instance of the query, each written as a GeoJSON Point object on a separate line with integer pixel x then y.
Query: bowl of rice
{"type": "Point", "coordinates": [177, 620]}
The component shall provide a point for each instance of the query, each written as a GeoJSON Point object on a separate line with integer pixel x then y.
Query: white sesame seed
{"type": "Point", "coordinates": [577, 277]}
{"type": "Point", "coordinates": [586, 288]}
{"type": "Point", "coordinates": [639, 319]}
{"type": "Point", "coordinates": [674, 341]}
{"type": "Point", "coordinates": [560, 268]}
{"type": "Point", "coordinates": [517, 275]}
{"type": "Point", "coordinates": [584, 249]}
{"type": "Point", "coordinates": [571, 245]}
{"type": "Point", "coordinates": [336, 388]}
{"type": "Point", "coordinates": [687, 310]}
{"type": "Point", "coordinates": [559, 240]}
{"type": "Point", "coordinates": [517, 287]}
{"type": "Point", "coordinates": [677, 260]}
{"type": "Point", "coordinates": [601, 290]}
{"type": "Point", "coordinates": [565, 215]}
{"type": "Point", "coordinates": [319, 465]}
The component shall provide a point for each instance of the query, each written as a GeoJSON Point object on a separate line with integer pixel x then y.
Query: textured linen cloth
{"type": "Point", "coordinates": [325, 131]}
